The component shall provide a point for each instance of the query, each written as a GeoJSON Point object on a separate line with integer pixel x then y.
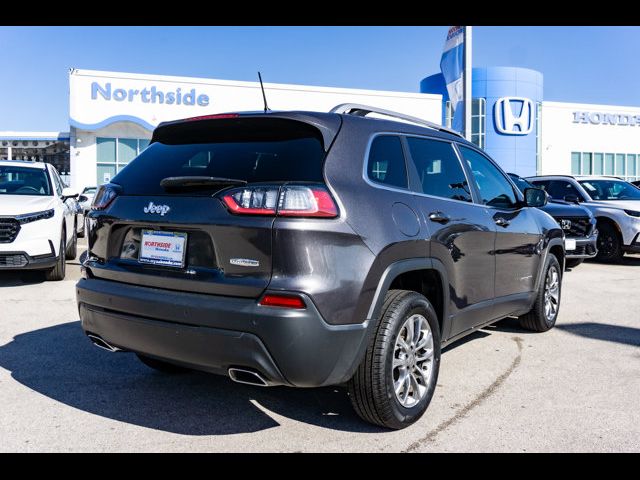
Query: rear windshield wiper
{"type": "Point", "coordinates": [199, 181]}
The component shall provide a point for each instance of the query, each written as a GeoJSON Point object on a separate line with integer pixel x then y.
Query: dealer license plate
{"type": "Point", "coordinates": [163, 248]}
{"type": "Point", "coordinates": [569, 243]}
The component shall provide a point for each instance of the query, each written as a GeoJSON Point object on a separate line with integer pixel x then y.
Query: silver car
{"type": "Point", "coordinates": [614, 202]}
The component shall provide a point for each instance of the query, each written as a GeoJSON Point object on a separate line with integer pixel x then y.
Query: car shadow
{"type": "Point", "coordinates": [61, 363]}
{"type": "Point", "coordinates": [24, 277]}
{"type": "Point", "coordinates": [605, 332]}
{"type": "Point", "coordinates": [626, 261]}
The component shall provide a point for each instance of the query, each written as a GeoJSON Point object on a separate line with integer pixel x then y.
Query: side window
{"type": "Point", "coordinates": [495, 189]}
{"type": "Point", "coordinates": [439, 169]}
{"type": "Point", "coordinates": [386, 162]}
{"type": "Point", "coordinates": [57, 183]}
{"type": "Point", "coordinates": [543, 184]}
{"type": "Point", "coordinates": [559, 188]}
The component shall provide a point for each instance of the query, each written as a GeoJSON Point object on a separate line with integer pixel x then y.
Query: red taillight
{"type": "Point", "coordinates": [286, 301]}
{"type": "Point", "coordinates": [252, 201]}
{"type": "Point", "coordinates": [288, 201]}
{"type": "Point", "coordinates": [104, 196]}
{"type": "Point", "coordinates": [211, 117]}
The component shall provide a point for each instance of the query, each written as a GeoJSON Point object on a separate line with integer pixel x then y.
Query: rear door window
{"type": "Point", "coordinates": [252, 150]}
{"type": "Point", "coordinates": [386, 164]}
{"type": "Point", "coordinates": [439, 170]}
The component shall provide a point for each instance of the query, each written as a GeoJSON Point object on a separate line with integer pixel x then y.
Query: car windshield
{"type": "Point", "coordinates": [16, 180]}
{"type": "Point", "coordinates": [610, 190]}
{"type": "Point", "coordinates": [521, 183]}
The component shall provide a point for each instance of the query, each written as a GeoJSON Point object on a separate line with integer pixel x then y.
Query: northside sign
{"type": "Point", "coordinates": [599, 118]}
{"type": "Point", "coordinates": [148, 95]}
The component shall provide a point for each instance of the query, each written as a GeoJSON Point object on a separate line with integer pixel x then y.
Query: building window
{"type": "Point", "coordinates": [478, 121]}
{"type": "Point", "coordinates": [575, 163]}
{"type": "Point", "coordinates": [598, 164]}
{"type": "Point", "coordinates": [113, 154]}
{"type": "Point", "coordinates": [625, 166]}
{"type": "Point", "coordinates": [586, 164]}
{"type": "Point", "coordinates": [620, 164]}
{"type": "Point", "coordinates": [608, 163]}
{"type": "Point", "coordinates": [631, 166]}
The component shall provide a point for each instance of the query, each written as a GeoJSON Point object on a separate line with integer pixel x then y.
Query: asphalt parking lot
{"type": "Point", "coordinates": [575, 388]}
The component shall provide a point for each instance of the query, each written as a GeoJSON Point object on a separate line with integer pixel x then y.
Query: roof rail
{"type": "Point", "coordinates": [363, 110]}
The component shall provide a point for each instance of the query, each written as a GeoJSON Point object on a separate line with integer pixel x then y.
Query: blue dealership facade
{"type": "Point", "coordinates": [502, 96]}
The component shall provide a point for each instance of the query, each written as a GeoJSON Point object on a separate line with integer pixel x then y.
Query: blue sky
{"type": "Point", "coordinates": [580, 64]}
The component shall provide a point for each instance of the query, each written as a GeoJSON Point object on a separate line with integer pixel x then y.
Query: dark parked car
{"type": "Point", "coordinates": [578, 224]}
{"type": "Point", "coordinates": [614, 202]}
{"type": "Point", "coordinates": [310, 249]}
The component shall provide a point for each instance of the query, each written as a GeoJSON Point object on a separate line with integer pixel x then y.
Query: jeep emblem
{"type": "Point", "coordinates": [161, 209]}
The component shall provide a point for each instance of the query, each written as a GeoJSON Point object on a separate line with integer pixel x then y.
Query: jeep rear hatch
{"type": "Point", "coordinates": [194, 211]}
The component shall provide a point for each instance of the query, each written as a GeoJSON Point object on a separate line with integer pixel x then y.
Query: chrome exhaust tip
{"type": "Point", "coordinates": [240, 375]}
{"type": "Point", "coordinates": [102, 343]}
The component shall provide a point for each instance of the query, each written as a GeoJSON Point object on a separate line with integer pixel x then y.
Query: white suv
{"type": "Point", "coordinates": [37, 219]}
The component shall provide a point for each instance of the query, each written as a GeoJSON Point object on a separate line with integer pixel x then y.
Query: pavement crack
{"type": "Point", "coordinates": [478, 400]}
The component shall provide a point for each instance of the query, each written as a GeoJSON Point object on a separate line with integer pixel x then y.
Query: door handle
{"type": "Point", "coordinates": [502, 222]}
{"type": "Point", "coordinates": [439, 217]}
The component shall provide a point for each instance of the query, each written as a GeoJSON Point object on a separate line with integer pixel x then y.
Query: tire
{"type": "Point", "coordinates": [573, 262]}
{"type": "Point", "coordinates": [161, 366]}
{"type": "Point", "coordinates": [72, 249]}
{"type": "Point", "coordinates": [371, 389]}
{"type": "Point", "coordinates": [57, 273]}
{"type": "Point", "coordinates": [541, 319]}
{"type": "Point", "coordinates": [609, 243]}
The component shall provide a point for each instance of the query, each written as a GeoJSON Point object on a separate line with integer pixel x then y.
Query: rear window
{"type": "Point", "coordinates": [255, 150]}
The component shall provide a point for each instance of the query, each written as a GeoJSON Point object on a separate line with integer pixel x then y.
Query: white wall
{"type": "Point", "coordinates": [83, 150]}
{"type": "Point", "coordinates": [561, 136]}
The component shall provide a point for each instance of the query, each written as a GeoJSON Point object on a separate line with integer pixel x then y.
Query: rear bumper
{"type": "Point", "coordinates": [586, 247]}
{"type": "Point", "coordinates": [213, 333]}
{"type": "Point", "coordinates": [23, 261]}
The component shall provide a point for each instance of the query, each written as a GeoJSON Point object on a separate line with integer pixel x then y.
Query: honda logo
{"type": "Point", "coordinates": [565, 224]}
{"type": "Point", "coordinates": [512, 120]}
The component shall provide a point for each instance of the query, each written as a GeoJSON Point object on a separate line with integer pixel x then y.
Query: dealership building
{"type": "Point", "coordinates": [112, 116]}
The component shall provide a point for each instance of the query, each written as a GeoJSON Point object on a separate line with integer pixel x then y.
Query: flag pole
{"type": "Point", "coordinates": [466, 78]}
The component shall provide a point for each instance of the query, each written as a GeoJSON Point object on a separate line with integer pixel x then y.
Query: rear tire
{"type": "Point", "coordinates": [573, 262]}
{"type": "Point", "coordinates": [395, 381]}
{"type": "Point", "coordinates": [609, 243]}
{"type": "Point", "coordinates": [57, 273]}
{"type": "Point", "coordinates": [546, 307]}
{"type": "Point", "coordinates": [161, 366]}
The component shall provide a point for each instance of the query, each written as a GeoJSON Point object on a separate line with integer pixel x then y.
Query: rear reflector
{"type": "Point", "coordinates": [286, 301]}
{"type": "Point", "coordinates": [290, 200]}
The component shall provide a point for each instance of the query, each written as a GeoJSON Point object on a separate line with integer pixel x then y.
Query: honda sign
{"type": "Point", "coordinates": [511, 120]}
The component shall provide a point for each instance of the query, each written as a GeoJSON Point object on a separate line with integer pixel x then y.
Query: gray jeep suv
{"type": "Point", "coordinates": [310, 249]}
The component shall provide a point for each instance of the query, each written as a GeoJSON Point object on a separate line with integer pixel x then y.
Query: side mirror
{"type": "Point", "coordinates": [535, 197]}
{"type": "Point", "coordinates": [83, 198]}
{"type": "Point", "coordinates": [571, 198]}
{"type": "Point", "coordinates": [69, 193]}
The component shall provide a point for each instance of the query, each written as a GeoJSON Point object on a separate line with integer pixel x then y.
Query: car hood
{"type": "Point", "coordinates": [619, 204]}
{"type": "Point", "coordinates": [564, 209]}
{"type": "Point", "coordinates": [20, 204]}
